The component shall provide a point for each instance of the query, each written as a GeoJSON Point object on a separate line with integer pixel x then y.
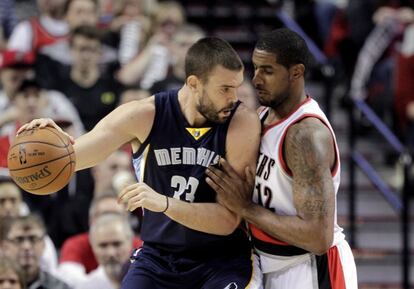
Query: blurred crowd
{"type": "Point", "coordinates": [76, 60]}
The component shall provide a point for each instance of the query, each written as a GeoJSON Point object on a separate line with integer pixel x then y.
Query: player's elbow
{"type": "Point", "coordinates": [323, 243]}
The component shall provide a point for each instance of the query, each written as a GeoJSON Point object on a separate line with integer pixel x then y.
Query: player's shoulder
{"type": "Point", "coordinates": [308, 132]}
{"type": "Point", "coordinates": [142, 106]}
{"type": "Point", "coordinates": [245, 117]}
{"type": "Point", "coordinates": [309, 126]}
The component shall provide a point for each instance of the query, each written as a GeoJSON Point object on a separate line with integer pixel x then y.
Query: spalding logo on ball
{"type": "Point", "coordinates": [41, 160]}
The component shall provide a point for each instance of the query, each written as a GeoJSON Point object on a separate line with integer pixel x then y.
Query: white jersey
{"type": "Point", "coordinates": [273, 188]}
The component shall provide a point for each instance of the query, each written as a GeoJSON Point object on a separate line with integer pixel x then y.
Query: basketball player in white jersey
{"type": "Point", "coordinates": [292, 215]}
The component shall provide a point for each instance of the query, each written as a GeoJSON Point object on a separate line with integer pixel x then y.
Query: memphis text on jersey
{"type": "Point", "coordinates": [186, 156]}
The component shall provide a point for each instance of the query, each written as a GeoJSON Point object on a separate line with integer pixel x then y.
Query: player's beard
{"type": "Point", "coordinates": [207, 109]}
{"type": "Point", "coordinates": [274, 100]}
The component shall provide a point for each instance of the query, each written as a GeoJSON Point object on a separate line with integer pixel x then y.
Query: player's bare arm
{"type": "Point", "coordinates": [129, 122]}
{"type": "Point", "coordinates": [310, 154]}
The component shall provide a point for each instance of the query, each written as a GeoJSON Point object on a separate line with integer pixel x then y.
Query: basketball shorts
{"type": "Point", "coordinates": [333, 270]}
{"type": "Point", "coordinates": [151, 268]}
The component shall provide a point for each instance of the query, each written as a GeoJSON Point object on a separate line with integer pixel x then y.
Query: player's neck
{"type": "Point", "coordinates": [189, 108]}
{"type": "Point", "coordinates": [285, 108]}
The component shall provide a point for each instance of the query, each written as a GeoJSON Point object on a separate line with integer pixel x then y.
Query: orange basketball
{"type": "Point", "coordinates": [41, 161]}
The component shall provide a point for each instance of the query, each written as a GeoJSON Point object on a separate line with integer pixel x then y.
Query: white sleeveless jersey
{"type": "Point", "coordinates": [273, 188]}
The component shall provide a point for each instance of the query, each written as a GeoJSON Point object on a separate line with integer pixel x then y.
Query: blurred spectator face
{"type": "Point", "coordinates": [10, 200]}
{"type": "Point", "coordinates": [25, 244]}
{"type": "Point", "coordinates": [82, 12]}
{"type": "Point", "coordinates": [11, 78]}
{"type": "Point", "coordinates": [182, 41]}
{"type": "Point", "coordinates": [9, 280]}
{"type": "Point", "coordinates": [129, 8]}
{"type": "Point", "coordinates": [169, 17]}
{"type": "Point", "coordinates": [30, 103]}
{"type": "Point", "coordinates": [86, 52]}
{"type": "Point", "coordinates": [107, 205]}
{"type": "Point", "coordinates": [51, 7]}
{"type": "Point", "coordinates": [112, 247]}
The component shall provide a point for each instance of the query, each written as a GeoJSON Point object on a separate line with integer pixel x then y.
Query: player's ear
{"type": "Point", "coordinates": [192, 82]}
{"type": "Point", "coordinates": [296, 71]}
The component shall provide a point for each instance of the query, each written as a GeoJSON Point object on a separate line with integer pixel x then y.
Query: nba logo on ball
{"type": "Point", "coordinates": [22, 154]}
{"type": "Point", "coordinates": [41, 161]}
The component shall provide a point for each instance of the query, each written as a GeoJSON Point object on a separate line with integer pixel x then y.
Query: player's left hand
{"type": "Point", "coordinates": [233, 192]}
{"type": "Point", "coordinates": [142, 195]}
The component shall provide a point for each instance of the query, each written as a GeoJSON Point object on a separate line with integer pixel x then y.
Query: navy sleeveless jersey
{"type": "Point", "coordinates": [172, 161]}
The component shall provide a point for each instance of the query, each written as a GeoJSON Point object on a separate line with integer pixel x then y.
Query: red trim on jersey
{"type": "Point", "coordinates": [41, 37]}
{"type": "Point", "coordinates": [336, 272]}
{"type": "Point", "coordinates": [259, 234]}
{"type": "Point", "coordinates": [268, 127]}
{"type": "Point", "coordinates": [282, 159]}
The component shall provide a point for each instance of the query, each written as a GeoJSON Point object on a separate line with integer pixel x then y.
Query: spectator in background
{"type": "Point", "coordinates": [49, 27]}
{"type": "Point", "coordinates": [11, 275]}
{"type": "Point", "coordinates": [77, 13]}
{"type": "Point", "coordinates": [128, 29]}
{"type": "Point", "coordinates": [152, 62]}
{"type": "Point", "coordinates": [76, 257]}
{"type": "Point", "coordinates": [372, 79]}
{"type": "Point", "coordinates": [14, 68]}
{"type": "Point", "coordinates": [8, 21]}
{"type": "Point", "coordinates": [111, 239]}
{"type": "Point", "coordinates": [12, 206]}
{"type": "Point", "coordinates": [404, 87]}
{"type": "Point", "coordinates": [30, 100]}
{"type": "Point", "coordinates": [93, 91]}
{"type": "Point", "coordinates": [11, 203]}
{"type": "Point", "coordinates": [24, 241]}
{"type": "Point", "coordinates": [182, 39]}
{"type": "Point", "coordinates": [27, 103]}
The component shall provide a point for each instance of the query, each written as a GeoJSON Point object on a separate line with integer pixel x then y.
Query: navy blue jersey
{"type": "Point", "coordinates": [172, 161]}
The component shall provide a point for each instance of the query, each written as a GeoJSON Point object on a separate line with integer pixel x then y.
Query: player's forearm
{"type": "Point", "coordinates": [209, 218]}
{"type": "Point", "coordinates": [96, 145]}
{"type": "Point", "coordinates": [314, 235]}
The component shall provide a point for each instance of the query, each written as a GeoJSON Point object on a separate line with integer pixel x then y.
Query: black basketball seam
{"type": "Point", "coordinates": [53, 178]}
{"type": "Point", "coordinates": [42, 142]}
{"type": "Point", "coordinates": [14, 170]}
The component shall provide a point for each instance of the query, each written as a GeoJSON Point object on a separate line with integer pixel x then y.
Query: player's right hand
{"type": "Point", "coordinates": [42, 123]}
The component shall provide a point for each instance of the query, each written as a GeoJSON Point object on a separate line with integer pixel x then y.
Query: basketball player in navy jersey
{"type": "Point", "coordinates": [292, 215]}
{"type": "Point", "coordinates": [190, 241]}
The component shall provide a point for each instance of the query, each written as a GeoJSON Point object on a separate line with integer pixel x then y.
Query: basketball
{"type": "Point", "coordinates": [41, 161]}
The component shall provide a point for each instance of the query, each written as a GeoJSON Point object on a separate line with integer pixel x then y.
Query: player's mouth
{"type": "Point", "coordinates": [261, 92]}
{"type": "Point", "coordinates": [226, 112]}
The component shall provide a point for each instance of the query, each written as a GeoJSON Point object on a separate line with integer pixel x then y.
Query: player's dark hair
{"type": "Point", "coordinates": [86, 31]}
{"type": "Point", "coordinates": [288, 47]}
{"type": "Point", "coordinates": [69, 2]}
{"type": "Point", "coordinates": [204, 55]}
